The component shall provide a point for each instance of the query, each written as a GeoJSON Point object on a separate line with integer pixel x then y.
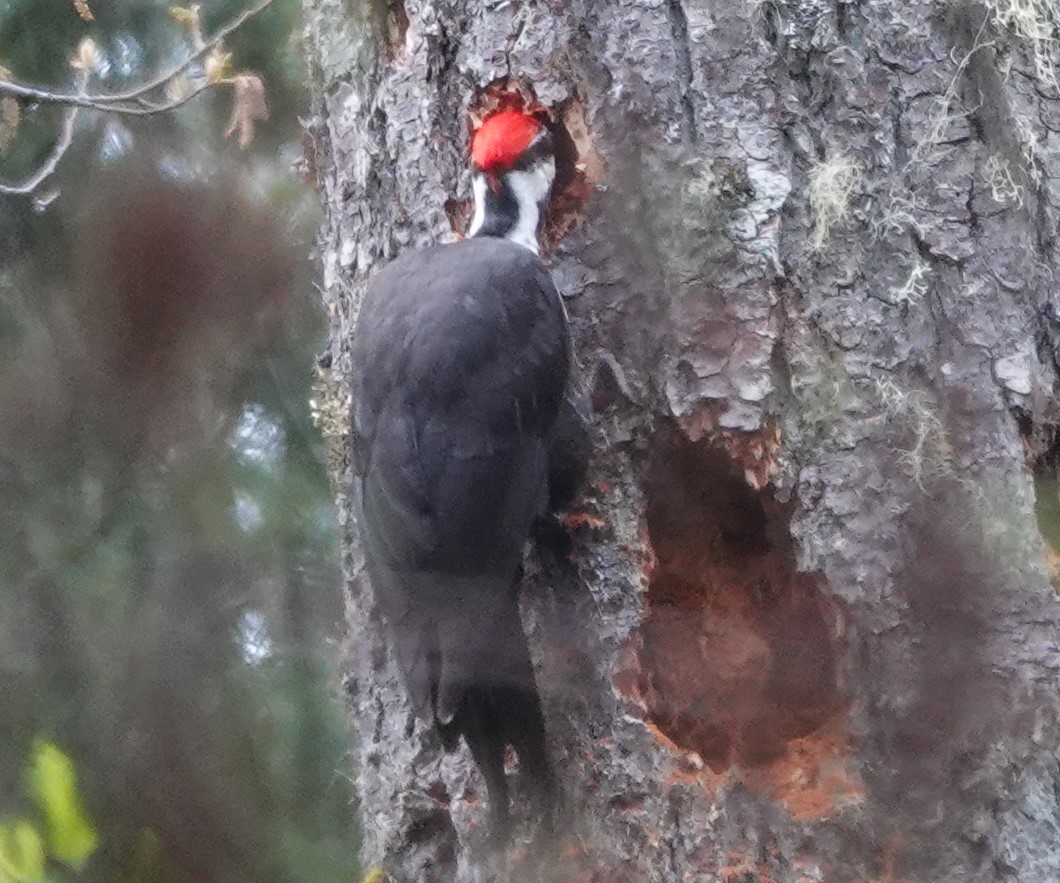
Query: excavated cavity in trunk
{"type": "Point", "coordinates": [738, 657]}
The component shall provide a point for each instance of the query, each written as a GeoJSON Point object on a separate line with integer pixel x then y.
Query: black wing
{"type": "Point", "coordinates": [460, 362]}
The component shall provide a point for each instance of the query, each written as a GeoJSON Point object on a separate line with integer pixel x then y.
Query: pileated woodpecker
{"type": "Point", "coordinates": [460, 361]}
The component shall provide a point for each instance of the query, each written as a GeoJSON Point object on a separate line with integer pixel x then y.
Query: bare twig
{"type": "Point", "coordinates": [131, 101]}
{"type": "Point", "coordinates": [66, 135]}
{"type": "Point", "coordinates": [144, 108]}
{"type": "Point", "coordinates": [62, 144]}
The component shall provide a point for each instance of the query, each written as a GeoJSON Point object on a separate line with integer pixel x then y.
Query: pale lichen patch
{"type": "Point", "coordinates": [833, 184]}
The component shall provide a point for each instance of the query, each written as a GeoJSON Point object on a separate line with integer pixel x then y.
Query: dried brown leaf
{"type": "Point", "coordinates": [248, 106]}
{"type": "Point", "coordinates": [189, 17]}
{"type": "Point", "coordinates": [84, 10]}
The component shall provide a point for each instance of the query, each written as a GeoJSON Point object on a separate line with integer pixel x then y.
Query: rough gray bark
{"type": "Point", "coordinates": [808, 631]}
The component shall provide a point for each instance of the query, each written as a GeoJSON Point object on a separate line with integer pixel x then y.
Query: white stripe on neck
{"type": "Point", "coordinates": [478, 188]}
{"type": "Point", "coordinates": [530, 188]}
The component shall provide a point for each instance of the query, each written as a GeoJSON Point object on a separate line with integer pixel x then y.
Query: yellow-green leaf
{"type": "Point", "coordinates": [53, 787]}
{"type": "Point", "coordinates": [185, 15]}
{"type": "Point", "coordinates": [376, 875]}
{"type": "Point", "coordinates": [21, 853]}
{"type": "Point", "coordinates": [217, 63]}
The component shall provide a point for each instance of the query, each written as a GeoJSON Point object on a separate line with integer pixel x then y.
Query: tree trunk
{"type": "Point", "coordinates": [807, 631]}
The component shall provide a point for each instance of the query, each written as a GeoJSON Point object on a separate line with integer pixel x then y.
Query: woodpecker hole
{"type": "Point", "coordinates": [579, 165]}
{"type": "Point", "coordinates": [737, 657]}
{"type": "Point", "coordinates": [459, 212]}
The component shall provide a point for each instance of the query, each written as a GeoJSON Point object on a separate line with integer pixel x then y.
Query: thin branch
{"type": "Point", "coordinates": [118, 102]}
{"type": "Point", "coordinates": [131, 102]}
{"type": "Point", "coordinates": [45, 169]}
{"type": "Point", "coordinates": [66, 135]}
{"type": "Point", "coordinates": [144, 107]}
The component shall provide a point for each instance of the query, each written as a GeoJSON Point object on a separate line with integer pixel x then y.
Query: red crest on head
{"type": "Point", "coordinates": [501, 140]}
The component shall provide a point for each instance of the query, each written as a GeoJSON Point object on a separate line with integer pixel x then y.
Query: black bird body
{"type": "Point", "coordinates": [460, 358]}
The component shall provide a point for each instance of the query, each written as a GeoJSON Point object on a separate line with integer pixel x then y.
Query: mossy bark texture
{"type": "Point", "coordinates": [807, 630]}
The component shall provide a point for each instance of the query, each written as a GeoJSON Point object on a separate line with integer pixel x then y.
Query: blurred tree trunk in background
{"type": "Point", "coordinates": [168, 548]}
{"type": "Point", "coordinates": [807, 632]}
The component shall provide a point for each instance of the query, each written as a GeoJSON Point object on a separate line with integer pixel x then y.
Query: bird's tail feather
{"type": "Point", "coordinates": [464, 656]}
{"type": "Point", "coordinates": [487, 691]}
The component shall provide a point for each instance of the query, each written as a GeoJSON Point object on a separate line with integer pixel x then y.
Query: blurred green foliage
{"type": "Point", "coordinates": [169, 566]}
{"type": "Point", "coordinates": [53, 788]}
{"type": "Point", "coordinates": [68, 836]}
